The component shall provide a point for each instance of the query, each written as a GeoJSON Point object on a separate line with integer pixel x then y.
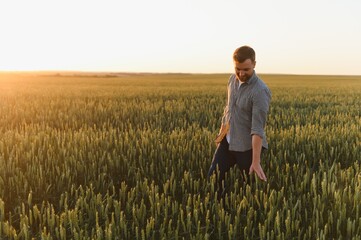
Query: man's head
{"type": "Point", "coordinates": [244, 59]}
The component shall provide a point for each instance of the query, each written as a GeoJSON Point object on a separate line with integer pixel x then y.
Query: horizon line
{"type": "Point", "coordinates": [83, 72]}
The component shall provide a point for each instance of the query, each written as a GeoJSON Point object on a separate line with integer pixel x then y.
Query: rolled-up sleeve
{"type": "Point", "coordinates": [226, 111]}
{"type": "Point", "coordinates": [261, 101]}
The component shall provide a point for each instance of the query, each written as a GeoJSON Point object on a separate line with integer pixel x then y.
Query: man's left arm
{"type": "Point", "coordinates": [256, 157]}
{"type": "Point", "coordinates": [259, 115]}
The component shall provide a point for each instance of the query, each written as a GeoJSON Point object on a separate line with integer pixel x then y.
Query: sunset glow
{"type": "Point", "coordinates": [180, 36]}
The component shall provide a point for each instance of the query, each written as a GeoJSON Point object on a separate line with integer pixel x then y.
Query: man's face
{"type": "Point", "coordinates": [244, 70]}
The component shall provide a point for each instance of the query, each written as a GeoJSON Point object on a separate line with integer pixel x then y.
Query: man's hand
{"type": "Point", "coordinates": [258, 170]}
{"type": "Point", "coordinates": [222, 132]}
{"type": "Point", "coordinates": [256, 158]}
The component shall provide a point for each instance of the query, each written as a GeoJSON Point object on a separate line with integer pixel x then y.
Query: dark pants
{"type": "Point", "coordinates": [225, 159]}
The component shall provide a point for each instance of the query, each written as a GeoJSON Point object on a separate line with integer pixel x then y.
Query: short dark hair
{"type": "Point", "coordinates": [243, 53]}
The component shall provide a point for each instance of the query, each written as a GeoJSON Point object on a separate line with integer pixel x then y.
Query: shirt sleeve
{"type": "Point", "coordinates": [226, 114]}
{"type": "Point", "coordinates": [260, 107]}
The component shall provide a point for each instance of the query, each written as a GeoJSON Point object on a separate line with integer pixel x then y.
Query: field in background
{"type": "Point", "coordinates": [126, 157]}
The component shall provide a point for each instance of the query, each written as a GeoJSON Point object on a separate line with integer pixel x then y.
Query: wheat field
{"type": "Point", "coordinates": [125, 156]}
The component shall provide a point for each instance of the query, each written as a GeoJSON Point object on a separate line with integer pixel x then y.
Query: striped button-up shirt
{"type": "Point", "coordinates": [246, 111]}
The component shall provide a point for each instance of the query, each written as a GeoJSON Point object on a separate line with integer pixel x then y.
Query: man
{"type": "Point", "coordinates": [242, 136]}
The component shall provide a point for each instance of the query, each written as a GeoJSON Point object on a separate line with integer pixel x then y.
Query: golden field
{"type": "Point", "coordinates": [125, 156]}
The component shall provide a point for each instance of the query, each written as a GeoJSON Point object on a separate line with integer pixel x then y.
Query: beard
{"type": "Point", "coordinates": [243, 78]}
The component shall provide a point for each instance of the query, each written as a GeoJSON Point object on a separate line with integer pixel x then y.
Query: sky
{"type": "Point", "coordinates": [189, 36]}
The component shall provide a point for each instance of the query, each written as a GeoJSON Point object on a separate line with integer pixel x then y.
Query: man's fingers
{"type": "Point", "coordinates": [259, 173]}
{"type": "Point", "coordinates": [262, 176]}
